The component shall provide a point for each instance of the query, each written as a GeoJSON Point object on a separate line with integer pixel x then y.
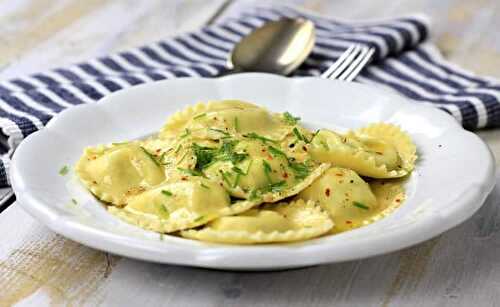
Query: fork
{"type": "Point", "coordinates": [349, 64]}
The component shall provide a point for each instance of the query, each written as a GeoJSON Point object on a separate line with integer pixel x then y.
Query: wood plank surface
{"type": "Point", "coordinates": [40, 268]}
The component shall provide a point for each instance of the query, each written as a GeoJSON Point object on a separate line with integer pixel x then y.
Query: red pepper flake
{"type": "Point", "coordinates": [327, 192]}
{"type": "Point", "coordinates": [378, 153]}
{"type": "Point", "coordinates": [340, 174]}
{"type": "Point", "coordinates": [269, 157]}
{"type": "Point", "coordinates": [184, 178]}
{"type": "Point", "coordinates": [158, 150]}
{"type": "Point", "coordinates": [94, 182]}
{"type": "Point", "coordinates": [398, 200]}
{"type": "Point", "coordinates": [263, 150]}
{"type": "Point", "coordinates": [285, 175]}
{"type": "Point", "coordinates": [304, 148]}
{"type": "Point", "coordinates": [352, 181]}
{"type": "Point", "coordinates": [348, 222]}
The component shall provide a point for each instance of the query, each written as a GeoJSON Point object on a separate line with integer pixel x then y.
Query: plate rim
{"type": "Point", "coordinates": [106, 241]}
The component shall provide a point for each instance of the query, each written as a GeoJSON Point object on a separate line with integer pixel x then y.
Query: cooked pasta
{"type": "Point", "coordinates": [233, 172]}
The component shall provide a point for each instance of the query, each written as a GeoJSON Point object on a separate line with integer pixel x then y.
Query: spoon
{"type": "Point", "coordinates": [277, 47]}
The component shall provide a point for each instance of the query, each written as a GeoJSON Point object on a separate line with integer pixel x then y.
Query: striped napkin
{"type": "Point", "coordinates": [404, 63]}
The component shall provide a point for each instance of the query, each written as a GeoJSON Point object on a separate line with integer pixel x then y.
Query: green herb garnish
{"type": "Point", "coordinates": [238, 171]}
{"type": "Point", "coordinates": [299, 136]}
{"type": "Point", "coordinates": [324, 144]}
{"type": "Point", "coordinates": [226, 178]}
{"type": "Point", "coordinates": [236, 125]}
{"type": "Point", "coordinates": [191, 172]}
{"type": "Point", "coordinates": [64, 170]}
{"type": "Point", "coordinates": [220, 131]}
{"type": "Point", "coordinates": [178, 148]}
{"type": "Point", "coordinates": [360, 205]}
{"type": "Point", "coordinates": [164, 209]}
{"type": "Point", "coordinates": [166, 193]}
{"type": "Point", "coordinates": [290, 119]}
{"type": "Point", "coordinates": [300, 170]}
{"type": "Point", "coordinates": [276, 152]}
{"type": "Point", "coordinates": [253, 135]}
{"type": "Point", "coordinates": [119, 143]}
{"type": "Point", "coordinates": [151, 156]}
{"type": "Point", "coordinates": [270, 188]}
{"type": "Point", "coordinates": [199, 218]}
{"type": "Point", "coordinates": [204, 186]}
{"type": "Point", "coordinates": [74, 201]}
{"type": "Point", "coordinates": [200, 116]}
{"type": "Point", "coordinates": [227, 153]}
{"type": "Point", "coordinates": [187, 132]}
{"type": "Point", "coordinates": [267, 170]}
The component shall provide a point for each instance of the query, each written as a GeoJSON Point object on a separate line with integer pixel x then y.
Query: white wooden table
{"type": "Point", "coordinates": [39, 268]}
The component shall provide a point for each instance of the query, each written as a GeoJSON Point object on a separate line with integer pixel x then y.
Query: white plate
{"type": "Point", "coordinates": [454, 174]}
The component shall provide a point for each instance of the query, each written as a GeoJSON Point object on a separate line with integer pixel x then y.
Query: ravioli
{"type": "Point", "coordinates": [378, 151]}
{"type": "Point", "coordinates": [217, 119]}
{"type": "Point", "coordinates": [233, 172]}
{"type": "Point", "coordinates": [341, 192]}
{"type": "Point", "coordinates": [177, 123]}
{"type": "Point", "coordinates": [263, 170]}
{"type": "Point", "coordinates": [116, 172]}
{"type": "Point", "coordinates": [175, 206]}
{"type": "Point", "coordinates": [283, 222]}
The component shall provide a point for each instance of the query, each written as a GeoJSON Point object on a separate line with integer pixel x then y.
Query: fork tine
{"type": "Point", "coordinates": [356, 69]}
{"type": "Point", "coordinates": [346, 63]}
{"type": "Point", "coordinates": [337, 63]}
{"type": "Point", "coordinates": [347, 72]}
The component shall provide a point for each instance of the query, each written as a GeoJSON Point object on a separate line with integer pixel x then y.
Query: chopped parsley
{"type": "Point", "coordinates": [238, 170]}
{"type": "Point", "coordinates": [298, 135]}
{"type": "Point", "coordinates": [270, 188]}
{"type": "Point", "coordinates": [227, 153]}
{"type": "Point", "coordinates": [151, 156]}
{"type": "Point", "coordinates": [276, 152]}
{"type": "Point", "coordinates": [191, 172]}
{"type": "Point", "coordinates": [200, 116]}
{"type": "Point", "coordinates": [255, 136]}
{"type": "Point", "coordinates": [199, 218]}
{"type": "Point", "coordinates": [237, 180]}
{"type": "Point", "coordinates": [325, 145]}
{"type": "Point", "coordinates": [74, 201]}
{"type": "Point", "coordinates": [164, 209]}
{"type": "Point", "coordinates": [178, 148]}
{"type": "Point", "coordinates": [236, 125]}
{"type": "Point", "coordinates": [220, 131]}
{"type": "Point", "coordinates": [64, 170]}
{"type": "Point", "coordinates": [187, 133]}
{"type": "Point", "coordinates": [300, 170]}
{"type": "Point", "coordinates": [204, 186]}
{"type": "Point", "coordinates": [206, 156]}
{"type": "Point", "coordinates": [290, 119]}
{"type": "Point", "coordinates": [225, 177]}
{"type": "Point", "coordinates": [360, 205]}
{"type": "Point", "coordinates": [166, 193]}
{"type": "Point", "coordinates": [267, 170]}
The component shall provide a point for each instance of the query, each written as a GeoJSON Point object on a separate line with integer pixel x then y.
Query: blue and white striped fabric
{"type": "Point", "coordinates": [403, 63]}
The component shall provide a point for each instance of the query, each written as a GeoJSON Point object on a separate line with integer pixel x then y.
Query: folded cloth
{"type": "Point", "coordinates": [403, 62]}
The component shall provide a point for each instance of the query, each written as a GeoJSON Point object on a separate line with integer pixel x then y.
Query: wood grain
{"type": "Point", "coordinates": [37, 267]}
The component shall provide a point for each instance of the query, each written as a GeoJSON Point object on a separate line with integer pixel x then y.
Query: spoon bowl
{"type": "Point", "coordinates": [277, 47]}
